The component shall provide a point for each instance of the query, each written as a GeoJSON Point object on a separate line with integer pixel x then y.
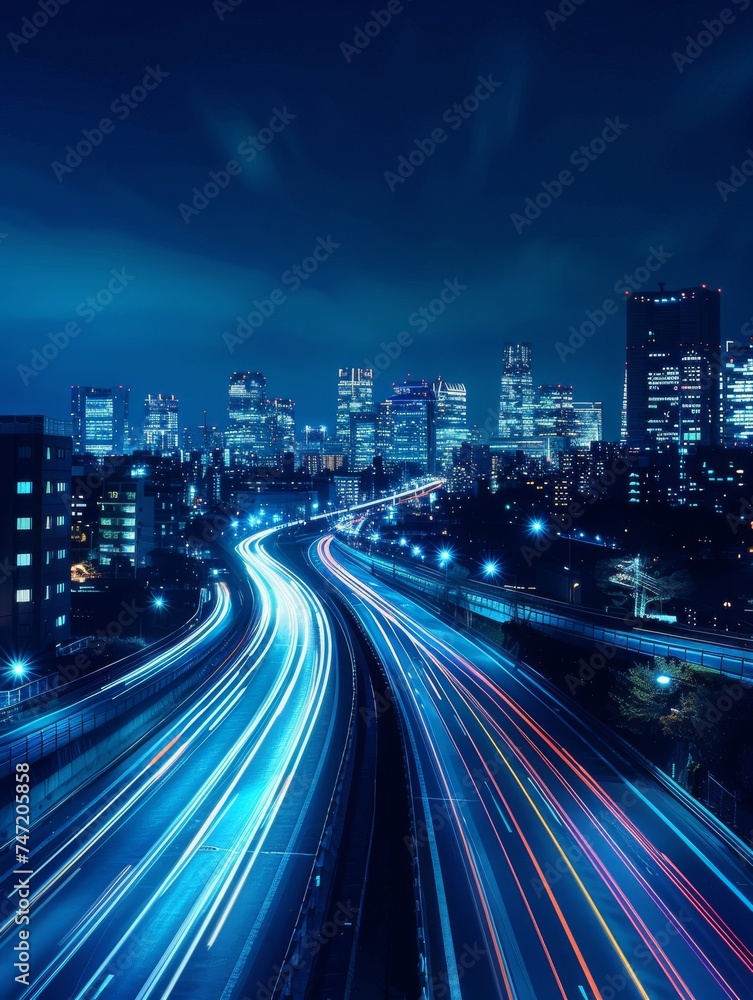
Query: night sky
{"type": "Point", "coordinates": [230, 71]}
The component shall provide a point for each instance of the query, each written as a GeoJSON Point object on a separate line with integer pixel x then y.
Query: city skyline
{"type": "Point", "coordinates": [167, 285]}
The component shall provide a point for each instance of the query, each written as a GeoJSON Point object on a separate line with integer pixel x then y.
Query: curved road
{"type": "Point", "coordinates": [180, 871]}
{"type": "Point", "coordinates": [552, 864]}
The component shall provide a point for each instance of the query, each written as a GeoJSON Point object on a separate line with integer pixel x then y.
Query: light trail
{"type": "Point", "coordinates": [624, 902]}
{"type": "Point", "coordinates": [257, 716]}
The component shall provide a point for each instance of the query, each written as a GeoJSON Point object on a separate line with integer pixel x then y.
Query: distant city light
{"type": "Point", "coordinates": [491, 568]}
{"type": "Point", "coordinates": [403, 542]}
{"type": "Point", "coordinates": [18, 668]}
{"type": "Point", "coordinates": [159, 602]}
{"type": "Point", "coordinates": [537, 526]}
{"type": "Point", "coordinates": [416, 550]}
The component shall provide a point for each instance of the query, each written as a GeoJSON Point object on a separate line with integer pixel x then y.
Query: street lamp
{"type": "Point", "coordinates": [18, 669]}
{"type": "Point", "coordinates": [663, 680]}
{"type": "Point", "coordinates": [491, 569]}
{"type": "Point", "coordinates": [445, 558]}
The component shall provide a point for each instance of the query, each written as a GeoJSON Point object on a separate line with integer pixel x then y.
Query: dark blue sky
{"type": "Point", "coordinates": [322, 176]}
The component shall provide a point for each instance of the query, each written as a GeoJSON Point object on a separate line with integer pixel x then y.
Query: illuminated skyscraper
{"type": "Point", "coordinates": [282, 426]}
{"type": "Point", "coordinates": [100, 420]}
{"type": "Point", "coordinates": [451, 420]}
{"type": "Point", "coordinates": [673, 369]}
{"type": "Point", "coordinates": [738, 394]}
{"type": "Point", "coordinates": [362, 441]}
{"type": "Point", "coordinates": [161, 434]}
{"type": "Point", "coordinates": [355, 394]}
{"type": "Point", "coordinates": [248, 429]}
{"type": "Point", "coordinates": [516, 395]}
{"type": "Point", "coordinates": [412, 417]}
{"type": "Point", "coordinates": [587, 424]}
{"type": "Point", "coordinates": [554, 411]}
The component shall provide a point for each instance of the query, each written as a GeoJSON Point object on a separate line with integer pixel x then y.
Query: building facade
{"type": "Point", "coordinates": [516, 395]}
{"type": "Point", "coordinates": [35, 537]}
{"type": "Point", "coordinates": [672, 368]}
{"type": "Point", "coordinates": [451, 421]}
{"type": "Point", "coordinates": [161, 434]}
{"type": "Point", "coordinates": [100, 420]}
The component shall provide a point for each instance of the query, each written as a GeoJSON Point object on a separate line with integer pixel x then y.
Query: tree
{"type": "Point", "coordinates": [639, 702]}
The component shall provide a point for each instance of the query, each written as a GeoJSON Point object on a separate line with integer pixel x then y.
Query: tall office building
{"type": "Point", "coordinates": [355, 394]}
{"type": "Point", "coordinates": [281, 426]}
{"type": "Point", "coordinates": [100, 420]}
{"type": "Point", "coordinates": [35, 536]}
{"type": "Point", "coordinates": [554, 411]}
{"type": "Point", "coordinates": [516, 395]}
{"type": "Point", "coordinates": [738, 394]}
{"type": "Point", "coordinates": [161, 434]}
{"type": "Point", "coordinates": [673, 371]}
{"type": "Point", "coordinates": [412, 417]}
{"type": "Point", "coordinates": [362, 441]}
{"type": "Point", "coordinates": [587, 423]}
{"type": "Point", "coordinates": [451, 420]}
{"type": "Point", "coordinates": [248, 428]}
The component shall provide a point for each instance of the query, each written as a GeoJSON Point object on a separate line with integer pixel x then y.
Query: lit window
{"type": "Point", "coordinates": [47, 593]}
{"type": "Point", "coordinates": [60, 621]}
{"type": "Point", "coordinates": [24, 451]}
{"type": "Point", "coordinates": [60, 520]}
{"type": "Point", "coordinates": [23, 559]}
{"type": "Point", "coordinates": [60, 589]}
{"type": "Point", "coordinates": [23, 487]}
{"type": "Point", "coordinates": [23, 523]}
{"type": "Point", "coordinates": [23, 596]}
{"type": "Point", "coordinates": [61, 553]}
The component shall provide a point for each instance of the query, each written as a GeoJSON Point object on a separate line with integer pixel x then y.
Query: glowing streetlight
{"type": "Point", "coordinates": [663, 680]}
{"type": "Point", "coordinates": [18, 669]}
{"type": "Point", "coordinates": [536, 526]}
{"type": "Point", "coordinates": [491, 569]}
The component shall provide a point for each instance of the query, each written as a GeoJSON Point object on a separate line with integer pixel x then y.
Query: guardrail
{"type": "Point", "coordinates": [711, 653]}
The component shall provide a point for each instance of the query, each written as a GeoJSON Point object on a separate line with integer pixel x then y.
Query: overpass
{"type": "Point", "coordinates": [730, 655]}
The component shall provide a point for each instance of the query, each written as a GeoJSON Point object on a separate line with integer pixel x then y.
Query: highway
{"type": "Point", "coordinates": [551, 862]}
{"type": "Point", "coordinates": [715, 650]}
{"type": "Point", "coordinates": [99, 694]}
{"type": "Point", "coordinates": [180, 870]}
